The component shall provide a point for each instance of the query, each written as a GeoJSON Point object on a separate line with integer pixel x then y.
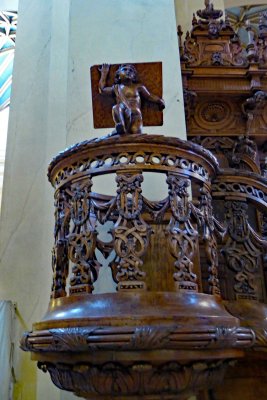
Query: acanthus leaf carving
{"type": "Point", "coordinates": [71, 339]}
{"type": "Point", "coordinates": [151, 337]}
{"type": "Point", "coordinates": [115, 379]}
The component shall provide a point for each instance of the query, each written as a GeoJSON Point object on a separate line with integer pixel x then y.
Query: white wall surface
{"type": "Point", "coordinates": [9, 5]}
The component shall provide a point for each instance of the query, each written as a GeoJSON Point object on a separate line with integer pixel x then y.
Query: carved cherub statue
{"type": "Point", "coordinates": [253, 106]}
{"type": "Point", "coordinates": [127, 92]}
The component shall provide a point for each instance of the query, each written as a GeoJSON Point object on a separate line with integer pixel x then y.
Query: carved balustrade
{"type": "Point", "coordinates": [165, 330]}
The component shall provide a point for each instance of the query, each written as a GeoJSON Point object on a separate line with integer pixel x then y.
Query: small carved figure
{"type": "Point", "coordinates": [252, 106]}
{"type": "Point", "coordinates": [213, 30]}
{"type": "Point", "coordinates": [128, 92]}
{"type": "Point", "coordinates": [243, 146]}
{"type": "Point", "coordinates": [209, 12]}
{"type": "Point", "coordinates": [257, 101]}
{"type": "Point", "coordinates": [216, 58]}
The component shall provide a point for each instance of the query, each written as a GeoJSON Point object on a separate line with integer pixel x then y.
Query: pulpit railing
{"type": "Point", "coordinates": [164, 330]}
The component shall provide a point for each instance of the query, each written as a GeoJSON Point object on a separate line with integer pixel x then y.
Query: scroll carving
{"type": "Point", "coordinates": [210, 241]}
{"type": "Point", "coordinates": [241, 254]}
{"type": "Point", "coordinates": [60, 262]}
{"type": "Point", "coordinates": [182, 234]}
{"type": "Point", "coordinates": [212, 42]}
{"type": "Point", "coordinates": [131, 233]}
{"type": "Point", "coordinates": [82, 241]}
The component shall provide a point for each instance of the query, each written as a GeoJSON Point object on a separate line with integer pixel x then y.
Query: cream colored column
{"type": "Point", "coordinates": [185, 9]}
{"type": "Point", "coordinates": [122, 31]}
{"type": "Point", "coordinates": [57, 42]}
{"type": "Point", "coordinates": [5, 5]}
{"type": "Point", "coordinates": [3, 129]}
{"type": "Point", "coordinates": [37, 129]}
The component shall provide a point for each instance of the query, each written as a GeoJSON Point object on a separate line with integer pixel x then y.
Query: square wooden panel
{"type": "Point", "coordinates": [149, 74]}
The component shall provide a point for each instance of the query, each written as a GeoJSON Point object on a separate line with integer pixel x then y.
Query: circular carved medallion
{"type": "Point", "coordinates": [215, 114]}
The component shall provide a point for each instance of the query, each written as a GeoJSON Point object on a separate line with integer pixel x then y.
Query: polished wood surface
{"type": "Point", "coordinates": [159, 335]}
{"type": "Point", "coordinates": [148, 73]}
{"type": "Point", "coordinates": [189, 269]}
{"type": "Point", "coordinates": [225, 92]}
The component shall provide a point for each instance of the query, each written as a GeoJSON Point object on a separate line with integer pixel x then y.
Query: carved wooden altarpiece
{"type": "Point", "coordinates": [225, 93]}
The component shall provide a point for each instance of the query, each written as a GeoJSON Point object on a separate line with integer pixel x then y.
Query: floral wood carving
{"type": "Point", "coordinates": [60, 262]}
{"type": "Point", "coordinates": [130, 233]}
{"type": "Point", "coordinates": [182, 234]}
{"type": "Point", "coordinates": [212, 41]}
{"type": "Point", "coordinates": [82, 240]}
{"type": "Point", "coordinates": [241, 254]}
{"type": "Point", "coordinates": [115, 379]}
{"type": "Point", "coordinates": [210, 241]}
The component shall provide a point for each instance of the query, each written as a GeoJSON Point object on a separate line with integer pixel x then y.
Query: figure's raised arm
{"type": "Point", "coordinates": [103, 89]}
{"type": "Point", "coordinates": [143, 91]}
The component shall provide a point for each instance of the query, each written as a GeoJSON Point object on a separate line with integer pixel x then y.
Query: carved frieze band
{"type": "Point", "coordinates": [145, 378]}
{"type": "Point", "coordinates": [140, 160]}
{"type": "Point", "coordinates": [80, 339]}
{"type": "Point", "coordinates": [253, 189]}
